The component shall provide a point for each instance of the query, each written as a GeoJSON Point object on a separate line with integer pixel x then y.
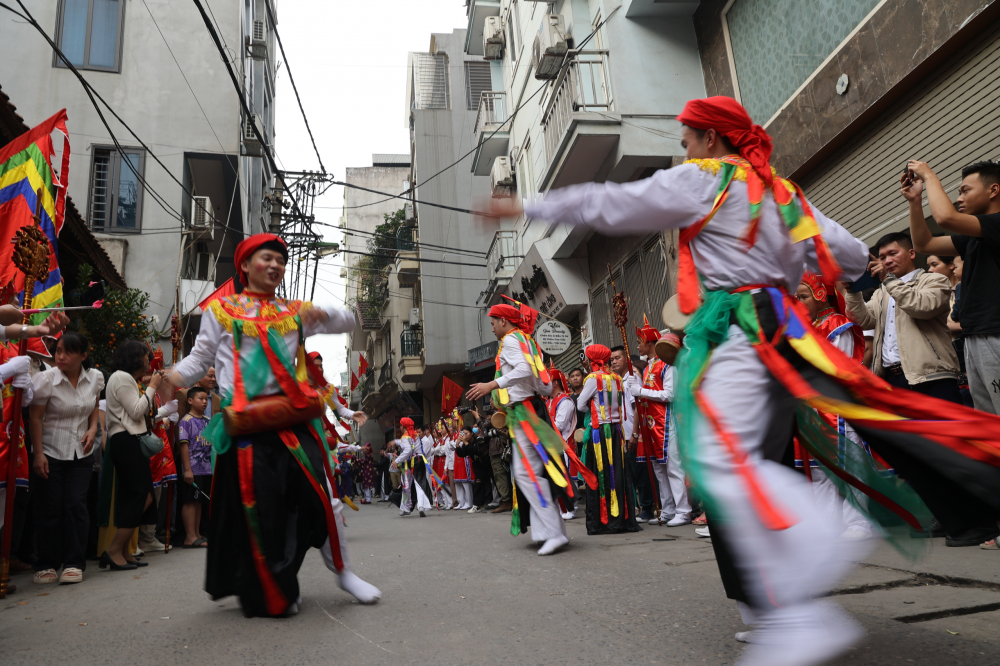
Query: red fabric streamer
{"type": "Point", "coordinates": [728, 117]}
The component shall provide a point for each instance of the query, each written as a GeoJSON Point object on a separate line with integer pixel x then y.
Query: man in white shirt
{"type": "Point", "coordinates": [640, 471]}
{"type": "Point", "coordinates": [520, 380]}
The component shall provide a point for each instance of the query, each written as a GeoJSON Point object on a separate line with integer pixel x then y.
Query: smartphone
{"type": "Point", "coordinates": [907, 174]}
{"type": "Point", "coordinates": [866, 281]}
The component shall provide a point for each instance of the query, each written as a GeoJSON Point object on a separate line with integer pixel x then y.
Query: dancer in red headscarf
{"type": "Point", "coordinates": [611, 505]}
{"type": "Point", "coordinates": [414, 461]}
{"type": "Point", "coordinates": [273, 494]}
{"type": "Point", "coordinates": [753, 367]}
{"type": "Point", "coordinates": [540, 475]}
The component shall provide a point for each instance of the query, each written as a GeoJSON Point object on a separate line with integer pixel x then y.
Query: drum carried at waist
{"type": "Point", "coordinates": [270, 412]}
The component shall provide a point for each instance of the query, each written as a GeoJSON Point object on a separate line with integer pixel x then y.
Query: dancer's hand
{"type": "Point", "coordinates": [310, 316]}
{"type": "Point", "coordinates": [477, 391]}
{"type": "Point", "coordinates": [360, 418]}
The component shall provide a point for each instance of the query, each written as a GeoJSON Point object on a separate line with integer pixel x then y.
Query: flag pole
{"type": "Point", "coordinates": [31, 257]}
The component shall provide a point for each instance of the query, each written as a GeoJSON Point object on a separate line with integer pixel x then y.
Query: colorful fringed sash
{"type": "Point", "coordinates": [603, 441]}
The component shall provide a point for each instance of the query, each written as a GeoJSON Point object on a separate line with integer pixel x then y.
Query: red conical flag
{"type": "Point", "coordinates": [451, 393]}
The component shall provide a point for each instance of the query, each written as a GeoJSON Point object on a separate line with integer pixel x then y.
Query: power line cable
{"type": "Point", "coordinates": [91, 94]}
{"type": "Point", "coordinates": [288, 67]}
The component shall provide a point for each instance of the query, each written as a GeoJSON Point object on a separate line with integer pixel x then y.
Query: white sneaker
{"type": "Point", "coordinates": [71, 575]}
{"type": "Point", "coordinates": [677, 521]}
{"type": "Point", "coordinates": [661, 519]}
{"type": "Point", "coordinates": [404, 513]}
{"type": "Point", "coordinates": [152, 546]}
{"type": "Point", "coordinates": [473, 510]}
{"type": "Point", "coordinates": [364, 592]}
{"type": "Point", "coordinates": [856, 534]}
{"type": "Point", "coordinates": [702, 531]}
{"type": "Point", "coordinates": [744, 636]}
{"type": "Point", "coordinates": [568, 515]}
{"type": "Point", "coordinates": [552, 545]}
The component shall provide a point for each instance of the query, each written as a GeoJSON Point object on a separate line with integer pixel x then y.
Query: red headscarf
{"type": "Point", "coordinates": [556, 375]}
{"type": "Point", "coordinates": [523, 317]}
{"type": "Point", "coordinates": [407, 424]}
{"type": "Point", "coordinates": [248, 246]}
{"type": "Point", "coordinates": [598, 355]}
{"type": "Point", "coordinates": [728, 117]}
{"type": "Point", "coordinates": [314, 372]}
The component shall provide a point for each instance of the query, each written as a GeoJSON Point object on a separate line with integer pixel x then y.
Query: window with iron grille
{"type": "Point", "coordinates": [477, 81]}
{"type": "Point", "coordinates": [430, 81]}
{"type": "Point", "coordinates": [89, 33]}
{"type": "Point", "coordinates": [116, 189]}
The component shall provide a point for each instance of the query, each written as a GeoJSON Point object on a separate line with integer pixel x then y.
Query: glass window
{"type": "Point", "coordinates": [89, 33]}
{"type": "Point", "coordinates": [116, 190]}
{"type": "Point", "coordinates": [778, 44]}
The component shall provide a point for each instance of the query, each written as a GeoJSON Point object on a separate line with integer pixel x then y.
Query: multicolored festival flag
{"type": "Point", "coordinates": [26, 167]}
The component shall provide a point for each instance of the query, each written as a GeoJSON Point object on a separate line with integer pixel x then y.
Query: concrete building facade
{"type": "Point", "coordinates": [156, 65]}
{"type": "Point", "coordinates": [605, 111]}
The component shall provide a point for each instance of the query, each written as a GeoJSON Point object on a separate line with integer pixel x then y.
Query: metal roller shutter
{"type": "Point", "coordinates": [642, 275]}
{"type": "Point", "coordinates": [949, 121]}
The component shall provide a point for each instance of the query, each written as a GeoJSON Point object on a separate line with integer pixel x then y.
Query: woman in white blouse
{"type": "Point", "coordinates": [127, 410]}
{"type": "Point", "coordinates": [63, 418]}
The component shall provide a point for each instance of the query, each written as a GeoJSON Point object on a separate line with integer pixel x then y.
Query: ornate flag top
{"type": "Point", "coordinates": [26, 168]}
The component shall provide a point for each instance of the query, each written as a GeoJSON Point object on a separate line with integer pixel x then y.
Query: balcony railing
{"type": "Point", "coordinates": [583, 86]}
{"type": "Point", "coordinates": [492, 112]}
{"type": "Point", "coordinates": [367, 384]}
{"type": "Point", "coordinates": [500, 259]}
{"type": "Point", "coordinates": [385, 374]}
{"type": "Point", "coordinates": [411, 342]}
{"type": "Point", "coordinates": [406, 239]}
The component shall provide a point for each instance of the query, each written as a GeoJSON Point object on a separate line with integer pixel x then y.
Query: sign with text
{"type": "Point", "coordinates": [553, 337]}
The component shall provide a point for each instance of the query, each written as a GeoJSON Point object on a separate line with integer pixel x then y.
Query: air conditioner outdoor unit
{"type": "Point", "coordinates": [501, 177]}
{"type": "Point", "coordinates": [409, 219]}
{"type": "Point", "coordinates": [202, 220]}
{"type": "Point", "coordinates": [551, 44]}
{"type": "Point", "coordinates": [414, 317]}
{"type": "Point", "coordinates": [258, 42]}
{"type": "Point", "coordinates": [251, 144]}
{"type": "Point", "coordinates": [493, 39]}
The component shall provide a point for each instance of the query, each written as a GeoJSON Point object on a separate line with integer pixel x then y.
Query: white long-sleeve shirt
{"type": "Point", "coordinates": [405, 450]}
{"type": "Point", "coordinates": [448, 450]}
{"type": "Point", "coordinates": [516, 375]}
{"type": "Point", "coordinates": [678, 197]}
{"type": "Point", "coordinates": [589, 394]}
{"type": "Point", "coordinates": [565, 421]}
{"type": "Point", "coordinates": [214, 347]}
{"type": "Point", "coordinates": [635, 387]}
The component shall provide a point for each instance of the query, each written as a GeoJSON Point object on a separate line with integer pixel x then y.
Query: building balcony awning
{"type": "Point", "coordinates": [370, 314]}
{"type": "Point", "coordinates": [478, 11]}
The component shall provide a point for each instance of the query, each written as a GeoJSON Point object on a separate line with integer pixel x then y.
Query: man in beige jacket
{"type": "Point", "coordinates": [912, 347]}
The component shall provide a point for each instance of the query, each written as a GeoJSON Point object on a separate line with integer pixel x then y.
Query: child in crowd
{"type": "Point", "coordinates": [196, 459]}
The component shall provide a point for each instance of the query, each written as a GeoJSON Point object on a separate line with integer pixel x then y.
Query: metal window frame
{"type": "Point", "coordinates": [60, 16]}
{"type": "Point", "coordinates": [115, 167]}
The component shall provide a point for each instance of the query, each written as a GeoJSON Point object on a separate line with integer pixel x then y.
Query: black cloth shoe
{"type": "Point", "coordinates": [645, 516]}
{"type": "Point", "coordinates": [973, 537]}
{"type": "Point", "coordinates": [108, 563]}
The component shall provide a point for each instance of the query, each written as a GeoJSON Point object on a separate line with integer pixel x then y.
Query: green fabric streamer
{"type": "Point", "coordinates": [826, 444]}
{"type": "Point", "coordinates": [706, 329]}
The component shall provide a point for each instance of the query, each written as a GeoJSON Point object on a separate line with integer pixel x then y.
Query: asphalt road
{"type": "Point", "coordinates": [458, 589]}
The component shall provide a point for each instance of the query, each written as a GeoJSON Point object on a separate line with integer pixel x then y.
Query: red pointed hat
{"type": "Point", "coordinates": [647, 333]}
{"type": "Point", "coordinates": [249, 245]}
{"type": "Point", "coordinates": [728, 117]}
{"type": "Point", "coordinates": [555, 374]}
{"type": "Point", "coordinates": [815, 284]}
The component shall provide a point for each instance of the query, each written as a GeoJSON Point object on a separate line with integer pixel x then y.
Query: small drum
{"type": "Point", "coordinates": [673, 318]}
{"type": "Point", "coordinates": [498, 420]}
{"type": "Point", "coordinates": [666, 350]}
{"type": "Point", "coordinates": [578, 435]}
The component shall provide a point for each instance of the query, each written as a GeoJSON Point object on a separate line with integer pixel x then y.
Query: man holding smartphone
{"type": "Point", "coordinates": [975, 229]}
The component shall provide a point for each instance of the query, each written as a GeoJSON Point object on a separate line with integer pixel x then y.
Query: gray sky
{"type": "Point", "coordinates": [349, 63]}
